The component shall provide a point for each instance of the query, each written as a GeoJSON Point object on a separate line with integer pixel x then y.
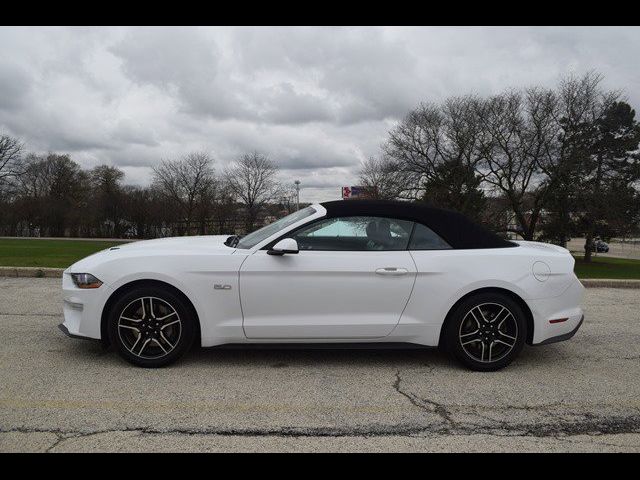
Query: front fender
{"type": "Point", "coordinates": [121, 283]}
{"type": "Point", "coordinates": [195, 276]}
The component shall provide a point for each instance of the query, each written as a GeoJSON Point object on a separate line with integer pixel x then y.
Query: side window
{"type": "Point", "coordinates": [355, 234]}
{"type": "Point", "coordinates": [424, 238]}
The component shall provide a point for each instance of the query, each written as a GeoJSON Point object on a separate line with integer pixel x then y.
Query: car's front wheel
{"type": "Point", "coordinates": [486, 331]}
{"type": "Point", "coordinates": [151, 326]}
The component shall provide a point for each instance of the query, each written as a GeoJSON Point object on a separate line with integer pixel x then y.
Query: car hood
{"type": "Point", "coordinates": [209, 244]}
{"type": "Point", "coordinates": [202, 241]}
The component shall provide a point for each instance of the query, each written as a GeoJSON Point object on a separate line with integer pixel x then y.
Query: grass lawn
{"type": "Point", "coordinates": [47, 253]}
{"type": "Point", "coordinates": [62, 253]}
{"type": "Point", "coordinates": [607, 267]}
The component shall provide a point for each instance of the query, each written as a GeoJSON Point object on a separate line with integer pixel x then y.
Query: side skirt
{"type": "Point", "coordinates": [322, 346]}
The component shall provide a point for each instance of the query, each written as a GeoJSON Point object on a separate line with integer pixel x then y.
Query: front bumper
{"type": "Point", "coordinates": [65, 330]}
{"type": "Point", "coordinates": [82, 309]}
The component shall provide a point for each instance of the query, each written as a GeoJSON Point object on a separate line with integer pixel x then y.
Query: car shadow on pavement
{"type": "Point", "coordinates": [277, 358]}
{"type": "Point", "coordinates": [300, 357]}
{"type": "Point", "coordinates": [273, 357]}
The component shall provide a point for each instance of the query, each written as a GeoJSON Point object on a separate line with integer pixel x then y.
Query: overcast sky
{"type": "Point", "coordinates": [315, 100]}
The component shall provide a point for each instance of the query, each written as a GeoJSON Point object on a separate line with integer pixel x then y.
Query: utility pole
{"type": "Point", "coordinates": [297, 182]}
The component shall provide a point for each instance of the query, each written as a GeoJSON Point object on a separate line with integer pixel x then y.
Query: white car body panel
{"type": "Point", "coordinates": [445, 276]}
{"type": "Point", "coordinates": [320, 296]}
{"type": "Point", "coordinates": [325, 295]}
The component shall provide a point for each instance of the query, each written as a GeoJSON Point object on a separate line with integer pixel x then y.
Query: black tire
{"type": "Point", "coordinates": [474, 350]}
{"type": "Point", "coordinates": [135, 317]}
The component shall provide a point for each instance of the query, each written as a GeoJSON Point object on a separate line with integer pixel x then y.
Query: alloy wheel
{"type": "Point", "coordinates": [488, 332]}
{"type": "Point", "coordinates": [149, 327]}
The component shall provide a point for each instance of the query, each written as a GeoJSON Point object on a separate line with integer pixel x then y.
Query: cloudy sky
{"type": "Point", "coordinates": [316, 100]}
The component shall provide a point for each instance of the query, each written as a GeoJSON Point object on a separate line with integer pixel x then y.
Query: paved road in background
{"type": "Point", "coordinates": [620, 250]}
{"type": "Point", "coordinates": [59, 394]}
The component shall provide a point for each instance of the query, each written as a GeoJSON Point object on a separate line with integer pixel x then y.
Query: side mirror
{"type": "Point", "coordinates": [232, 241]}
{"type": "Point", "coordinates": [286, 245]}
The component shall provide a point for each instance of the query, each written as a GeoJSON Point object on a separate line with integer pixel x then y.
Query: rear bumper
{"type": "Point", "coordinates": [557, 318]}
{"type": "Point", "coordinates": [563, 337]}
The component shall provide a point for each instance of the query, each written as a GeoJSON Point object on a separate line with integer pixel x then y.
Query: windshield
{"type": "Point", "coordinates": [251, 240]}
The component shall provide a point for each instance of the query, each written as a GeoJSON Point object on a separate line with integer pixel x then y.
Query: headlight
{"type": "Point", "coordinates": [85, 280]}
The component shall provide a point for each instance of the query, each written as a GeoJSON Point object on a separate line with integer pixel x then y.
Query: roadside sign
{"type": "Point", "coordinates": [357, 191]}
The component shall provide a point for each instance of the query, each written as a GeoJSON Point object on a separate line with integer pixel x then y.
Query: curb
{"type": "Point", "coordinates": [609, 283]}
{"type": "Point", "coordinates": [36, 272]}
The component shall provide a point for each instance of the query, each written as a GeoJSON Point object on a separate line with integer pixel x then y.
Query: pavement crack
{"type": "Point", "coordinates": [589, 425]}
{"type": "Point", "coordinates": [286, 432]}
{"type": "Point", "coordinates": [59, 439]}
{"type": "Point", "coordinates": [423, 403]}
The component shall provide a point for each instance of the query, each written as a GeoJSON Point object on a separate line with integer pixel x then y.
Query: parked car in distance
{"type": "Point", "coordinates": [599, 246]}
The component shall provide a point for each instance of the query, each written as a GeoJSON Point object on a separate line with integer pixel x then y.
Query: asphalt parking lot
{"type": "Point", "coordinates": [59, 394]}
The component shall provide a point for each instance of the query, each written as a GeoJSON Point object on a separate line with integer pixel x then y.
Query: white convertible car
{"type": "Point", "coordinates": [366, 272]}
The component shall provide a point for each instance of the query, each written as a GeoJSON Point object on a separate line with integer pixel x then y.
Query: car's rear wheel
{"type": "Point", "coordinates": [486, 332]}
{"type": "Point", "coordinates": [151, 326]}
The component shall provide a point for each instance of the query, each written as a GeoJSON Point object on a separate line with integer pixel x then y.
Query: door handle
{"type": "Point", "coordinates": [392, 271]}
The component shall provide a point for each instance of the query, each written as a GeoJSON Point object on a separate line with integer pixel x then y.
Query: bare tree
{"type": "Point", "coordinates": [208, 198]}
{"type": "Point", "coordinates": [224, 209]}
{"type": "Point", "coordinates": [287, 198]}
{"type": "Point", "coordinates": [252, 179]}
{"type": "Point", "coordinates": [437, 147]}
{"type": "Point", "coordinates": [185, 182]}
{"type": "Point", "coordinates": [520, 151]}
{"type": "Point", "coordinates": [54, 192]}
{"type": "Point", "coordinates": [108, 200]}
{"type": "Point", "coordinates": [11, 163]}
{"type": "Point", "coordinates": [385, 177]}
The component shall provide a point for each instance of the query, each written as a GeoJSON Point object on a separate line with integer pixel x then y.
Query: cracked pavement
{"type": "Point", "coordinates": [59, 394]}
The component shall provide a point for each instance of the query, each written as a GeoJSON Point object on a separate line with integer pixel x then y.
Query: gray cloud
{"type": "Point", "coordinates": [14, 87]}
{"type": "Point", "coordinates": [316, 100]}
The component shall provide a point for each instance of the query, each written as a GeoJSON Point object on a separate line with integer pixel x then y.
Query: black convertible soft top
{"type": "Point", "coordinates": [456, 229]}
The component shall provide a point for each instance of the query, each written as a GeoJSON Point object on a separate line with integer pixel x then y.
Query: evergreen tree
{"type": "Point", "coordinates": [456, 187]}
{"type": "Point", "coordinates": [607, 175]}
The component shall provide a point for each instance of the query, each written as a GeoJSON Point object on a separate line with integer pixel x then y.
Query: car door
{"type": "Point", "coordinates": [351, 279]}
